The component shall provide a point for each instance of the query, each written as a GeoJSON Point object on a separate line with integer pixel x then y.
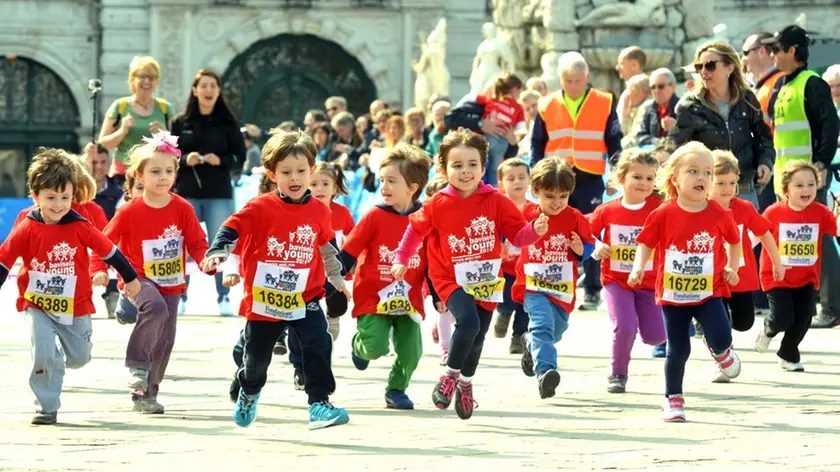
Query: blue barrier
{"type": "Point", "coordinates": [9, 209]}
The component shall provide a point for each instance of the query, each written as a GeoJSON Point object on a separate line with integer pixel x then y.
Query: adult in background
{"type": "Point", "coordinates": [538, 85]}
{"type": "Point", "coordinates": [806, 128]}
{"type": "Point", "coordinates": [659, 114]}
{"type": "Point", "coordinates": [579, 123]}
{"type": "Point", "coordinates": [438, 129]}
{"type": "Point", "coordinates": [832, 78]}
{"type": "Point", "coordinates": [211, 147]}
{"type": "Point", "coordinates": [723, 113]}
{"type": "Point", "coordinates": [631, 62]}
{"type": "Point", "coordinates": [335, 105]}
{"type": "Point", "coordinates": [638, 94]}
{"type": "Point", "coordinates": [131, 118]}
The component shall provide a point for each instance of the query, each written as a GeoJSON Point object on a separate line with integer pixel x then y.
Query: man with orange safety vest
{"type": "Point", "coordinates": [579, 123]}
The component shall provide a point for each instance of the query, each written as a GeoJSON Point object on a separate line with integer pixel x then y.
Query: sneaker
{"type": "Point", "coordinates": [246, 409]}
{"type": "Point", "coordinates": [148, 406]}
{"type": "Point", "coordinates": [224, 307]}
{"type": "Point", "coordinates": [299, 380]}
{"type": "Point", "coordinates": [182, 307]}
{"type": "Point", "coordinates": [762, 342]}
{"type": "Point", "coordinates": [501, 327]}
{"type": "Point", "coordinates": [719, 377]}
{"type": "Point", "coordinates": [139, 380]}
{"type": "Point", "coordinates": [42, 417]}
{"type": "Point", "coordinates": [334, 327]}
{"type": "Point", "coordinates": [444, 391]}
{"type": "Point", "coordinates": [234, 389]}
{"type": "Point", "coordinates": [464, 401]}
{"type": "Point", "coordinates": [617, 384]}
{"type": "Point", "coordinates": [825, 321]}
{"type": "Point", "coordinates": [791, 366]}
{"type": "Point", "coordinates": [591, 301]}
{"type": "Point", "coordinates": [548, 382]}
{"type": "Point", "coordinates": [111, 300]}
{"type": "Point", "coordinates": [324, 414]}
{"type": "Point", "coordinates": [358, 362]}
{"type": "Point", "coordinates": [728, 362]}
{"type": "Point", "coordinates": [435, 335]}
{"type": "Point", "coordinates": [444, 358]}
{"type": "Point", "coordinates": [398, 400]}
{"type": "Point", "coordinates": [527, 362]}
{"type": "Point", "coordinates": [673, 410]}
{"type": "Point", "coordinates": [280, 347]}
{"type": "Point", "coordinates": [659, 351]}
{"type": "Point", "coordinates": [516, 345]}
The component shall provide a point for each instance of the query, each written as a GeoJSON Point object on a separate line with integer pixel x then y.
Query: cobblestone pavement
{"type": "Point", "coordinates": [767, 420]}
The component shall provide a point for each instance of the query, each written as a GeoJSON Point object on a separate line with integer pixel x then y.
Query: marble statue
{"type": "Point", "coordinates": [492, 57]}
{"type": "Point", "coordinates": [432, 74]}
{"type": "Point", "coordinates": [641, 14]}
{"type": "Point", "coordinates": [507, 15]}
{"type": "Point", "coordinates": [549, 62]}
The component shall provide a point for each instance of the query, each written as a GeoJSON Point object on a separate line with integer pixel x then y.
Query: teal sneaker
{"type": "Point", "coordinates": [398, 400]}
{"type": "Point", "coordinates": [323, 415]}
{"type": "Point", "coordinates": [246, 409]}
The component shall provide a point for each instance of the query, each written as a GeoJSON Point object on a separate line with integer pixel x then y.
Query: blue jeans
{"type": "Point", "coordinates": [495, 155]}
{"type": "Point", "coordinates": [712, 317]}
{"type": "Point", "coordinates": [213, 212]}
{"type": "Point", "coordinates": [547, 324]}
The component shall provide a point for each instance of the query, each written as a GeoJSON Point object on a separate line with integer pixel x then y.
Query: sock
{"type": "Point", "coordinates": [464, 380]}
{"type": "Point", "coordinates": [454, 373]}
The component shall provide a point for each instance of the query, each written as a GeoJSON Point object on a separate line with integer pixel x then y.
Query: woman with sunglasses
{"type": "Point", "coordinates": [723, 113]}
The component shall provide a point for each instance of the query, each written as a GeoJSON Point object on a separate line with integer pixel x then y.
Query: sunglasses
{"type": "Point", "coordinates": [658, 86]}
{"type": "Point", "coordinates": [747, 52]}
{"type": "Point", "coordinates": [710, 66]}
{"type": "Point", "coordinates": [332, 109]}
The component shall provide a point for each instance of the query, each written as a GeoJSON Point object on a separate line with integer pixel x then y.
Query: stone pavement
{"type": "Point", "coordinates": [767, 420]}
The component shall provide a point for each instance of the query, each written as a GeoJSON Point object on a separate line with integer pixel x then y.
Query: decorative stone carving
{"type": "Point", "coordinates": [508, 17]}
{"type": "Point", "coordinates": [548, 63]}
{"type": "Point", "coordinates": [167, 48]}
{"type": "Point", "coordinates": [674, 18]}
{"type": "Point", "coordinates": [492, 58]}
{"type": "Point", "coordinates": [699, 18]}
{"type": "Point", "coordinates": [432, 74]}
{"type": "Point", "coordinates": [641, 14]}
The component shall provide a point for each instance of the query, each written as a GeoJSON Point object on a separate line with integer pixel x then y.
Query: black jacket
{"type": "Point", "coordinates": [648, 131]}
{"type": "Point", "coordinates": [745, 133]}
{"type": "Point", "coordinates": [206, 135]}
{"type": "Point", "coordinates": [108, 197]}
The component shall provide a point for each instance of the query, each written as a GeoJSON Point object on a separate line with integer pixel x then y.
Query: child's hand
{"type": "Point", "coordinates": [346, 292]}
{"type": "Point", "coordinates": [132, 288]}
{"type": "Point", "coordinates": [635, 277]}
{"type": "Point", "coordinates": [731, 276]}
{"type": "Point", "coordinates": [602, 251]}
{"type": "Point", "coordinates": [100, 279]}
{"type": "Point", "coordinates": [210, 264]}
{"type": "Point", "coordinates": [778, 272]}
{"type": "Point", "coordinates": [541, 224]}
{"type": "Point", "coordinates": [576, 244]}
{"type": "Point", "coordinates": [231, 280]}
{"type": "Point", "coordinates": [440, 307]}
{"type": "Point", "coordinates": [398, 271]}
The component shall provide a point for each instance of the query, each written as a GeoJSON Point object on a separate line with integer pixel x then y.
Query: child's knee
{"type": "Point", "coordinates": [78, 360]}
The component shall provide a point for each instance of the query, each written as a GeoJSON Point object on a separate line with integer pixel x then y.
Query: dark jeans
{"type": "Point", "coordinates": [712, 317]}
{"type": "Point", "coordinates": [739, 308]}
{"type": "Point", "coordinates": [316, 350]}
{"type": "Point", "coordinates": [791, 310]}
{"type": "Point", "coordinates": [471, 325]}
{"type": "Point", "coordinates": [588, 194]}
{"type": "Point", "coordinates": [510, 307]}
{"type": "Point", "coordinates": [294, 348]}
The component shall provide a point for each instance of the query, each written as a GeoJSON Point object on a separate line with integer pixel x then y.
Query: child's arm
{"type": "Point", "coordinates": [733, 254]}
{"type": "Point", "coordinates": [332, 266]}
{"type": "Point", "coordinates": [231, 265]}
{"type": "Point", "coordinates": [419, 226]}
{"type": "Point", "coordinates": [348, 262]}
{"type": "Point", "coordinates": [769, 245]}
{"type": "Point", "coordinates": [642, 255]}
{"type": "Point", "coordinates": [194, 238]}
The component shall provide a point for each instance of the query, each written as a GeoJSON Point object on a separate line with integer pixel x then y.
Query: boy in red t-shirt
{"type": "Point", "coordinates": [54, 281]}
{"type": "Point", "coordinates": [288, 249]}
{"type": "Point", "coordinates": [501, 105]}
{"type": "Point", "coordinates": [798, 223]}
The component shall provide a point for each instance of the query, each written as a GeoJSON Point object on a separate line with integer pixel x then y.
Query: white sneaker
{"type": "Point", "coordinates": [673, 410]}
{"type": "Point", "coordinates": [720, 378]}
{"type": "Point", "coordinates": [728, 362]}
{"type": "Point", "coordinates": [791, 366]}
{"type": "Point", "coordinates": [182, 307]}
{"type": "Point", "coordinates": [148, 406]}
{"type": "Point", "coordinates": [762, 342]}
{"type": "Point", "coordinates": [224, 307]}
{"type": "Point", "coordinates": [334, 327]}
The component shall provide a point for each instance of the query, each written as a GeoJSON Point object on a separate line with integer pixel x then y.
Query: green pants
{"type": "Point", "coordinates": [371, 342]}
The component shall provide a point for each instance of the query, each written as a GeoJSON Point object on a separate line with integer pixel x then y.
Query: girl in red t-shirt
{"type": "Point", "coordinates": [615, 225]}
{"type": "Point", "coordinates": [798, 223]}
{"type": "Point", "coordinates": [502, 105]}
{"type": "Point", "coordinates": [694, 268]}
{"type": "Point", "coordinates": [465, 222]}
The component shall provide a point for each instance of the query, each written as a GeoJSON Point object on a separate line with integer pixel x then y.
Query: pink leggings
{"type": "Point", "coordinates": [631, 312]}
{"type": "Point", "coordinates": [445, 321]}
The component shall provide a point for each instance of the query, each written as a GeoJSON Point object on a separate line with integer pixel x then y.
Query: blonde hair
{"type": "Point", "coordinates": [793, 167]}
{"type": "Point", "coordinates": [632, 156]}
{"type": "Point", "coordinates": [529, 95]}
{"type": "Point", "coordinates": [553, 173]}
{"type": "Point", "coordinates": [738, 87]}
{"type": "Point", "coordinates": [412, 163]}
{"type": "Point", "coordinates": [141, 154]}
{"type": "Point", "coordinates": [725, 163]}
{"type": "Point", "coordinates": [139, 63]}
{"type": "Point", "coordinates": [510, 164]}
{"type": "Point", "coordinates": [411, 113]}
{"type": "Point", "coordinates": [85, 185]}
{"type": "Point", "coordinates": [674, 163]}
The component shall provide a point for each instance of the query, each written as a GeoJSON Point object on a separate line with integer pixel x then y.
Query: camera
{"type": "Point", "coordinates": [94, 85]}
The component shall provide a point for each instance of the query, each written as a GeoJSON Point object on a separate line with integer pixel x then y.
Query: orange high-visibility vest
{"type": "Point", "coordinates": [763, 94]}
{"type": "Point", "coordinates": [578, 140]}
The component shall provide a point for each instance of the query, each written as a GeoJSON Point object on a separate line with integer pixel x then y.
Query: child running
{"type": "Point", "coordinates": [501, 105]}
{"type": "Point", "coordinates": [617, 223]}
{"type": "Point", "coordinates": [547, 271]}
{"type": "Point", "coordinates": [513, 183]}
{"type": "Point", "coordinates": [383, 304]}
{"type": "Point", "coordinates": [694, 268]}
{"type": "Point", "coordinates": [466, 221]}
{"type": "Point", "coordinates": [155, 249]}
{"type": "Point", "coordinates": [289, 248]}
{"type": "Point", "coordinates": [54, 281]}
{"type": "Point", "coordinates": [442, 330]}
{"type": "Point", "coordinates": [125, 312]}
{"type": "Point", "coordinates": [798, 223]}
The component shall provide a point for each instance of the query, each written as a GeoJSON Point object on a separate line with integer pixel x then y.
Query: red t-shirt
{"type": "Point", "coordinates": [510, 253]}
{"type": "Point", "coordinates": [508, 110]}
{"type": "Point", "coordinates": [154, 239]}
{"type": "Point", "coordinates": [378, 235]}
{"type": "Point", "coordinates": [620, 226]}
{"type": "Point", "coordinates": [799, 237]}
{"type": "Point", "coordinates": [342, 222]}
{"type": "Point", "coordinates": [747, 219]}
{"type": "Point", "coordinates": [550, 267]}
{"type": "Point", "coordinates": [467, 250]}
{"type": "Point", "coordinates": [54, 276]}
{"type": "Point", "coordinates": [690, 269]}
{"type": "Point", "coordinates": [283, 269]}
{"type": "Point", "coordinates": [89, 211]}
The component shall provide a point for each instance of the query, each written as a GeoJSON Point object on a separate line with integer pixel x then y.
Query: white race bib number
{"type": "Point", "coordinates": [688, 277]}
{"type": "Point", "coordinates": [393, 299]}
{"type": "Point", "coordinates": [798, 244]}
{"type": "Point", "coordinates": [53, 293]}
{"type": "Point", "coordinates": [741, 261]}
{"type": "Point", "coordinates": [481, 279]}
{"type": "Point", "coordinates": [163, 261]}
{"type": "Point", "coordinates": [278, 292]}
{"type": "Point", "coordinates": [553, 279]}
{"type": "Point", "coordinates": [623, 245]}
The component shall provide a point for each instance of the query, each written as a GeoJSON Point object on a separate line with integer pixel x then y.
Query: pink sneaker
{"type": "Point", "coordinates": [673, 410]}
{"type": "Point", "coordinates": [464, 401]}
{"type": "Point", "coordinates": [728, 362]}
{"type": "Point", "coordinates": [444, 391]}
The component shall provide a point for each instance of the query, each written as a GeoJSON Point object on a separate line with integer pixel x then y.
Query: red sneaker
{"type": "Point", "coordinates": [444, 391]}
{"type": "Point", "coordinates": [464, 401]}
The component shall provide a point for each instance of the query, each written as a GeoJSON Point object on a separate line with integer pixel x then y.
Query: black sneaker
{"type": "Point", "coordinates": [617, 384]}
{"type": "Point", "coordinates": [591, 301]}
{"type": "Point", "coordinates": [280, 348]}
{"type": "Point", "coordinates": [516, 345]}
{"type": "Point", "coordinates": [234, 389]}
{"type": "Point", "coordinates": [548, 382]}
{"type": "Point", "coordinates": [527, 362]}
{"type": "Point", "coordinates": [501, 327]}
{"type": "Point", "coordinates": [42, 417]}
{"type": "Point", "coordinates": [299, 379]}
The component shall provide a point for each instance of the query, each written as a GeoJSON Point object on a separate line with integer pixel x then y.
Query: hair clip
{"type": "Point", "coordinates": [164, 141]}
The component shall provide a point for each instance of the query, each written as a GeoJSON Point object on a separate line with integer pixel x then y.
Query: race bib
{"type": "Point", "coordinates": [623, 245]}
{"type": "Point", "coordinates": [53, 293]}
{"type": "Point", "coordinates": [554, 279]}
{"type": "Point", "coordinates": [393, 299]}
{"type": "Point", "coordinates": [688, 278]}
{"type": "Point", "coordinates": [163, 261]}
{"type": "Point", "coordinates": [798, 244]}
{"type": "Point", "coordinates": [481, 279]}
{"type": "Point", "coordinates": [278, 292]}
{"type": "Point", "coordinates": [741, 261]}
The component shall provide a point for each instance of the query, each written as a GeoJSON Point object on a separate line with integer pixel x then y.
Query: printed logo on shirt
{"type": "Point", "coordinates": [60, 260]}
{"type": "Point", "coordinates": [555, 249]}
{"type": "Point", "coordinates": [299, 248]}
{"type": "Point", "coordinates": [481, 238]}
{"type": "Point", "coordinates": [550, 271]}
{"type": "Point", "coordinates": [171, 231]}
{"type": "Point", "coordinates": [689, 274]}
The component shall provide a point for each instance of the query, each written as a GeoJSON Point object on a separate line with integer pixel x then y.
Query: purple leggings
{"type": "Point", "coordinates": [631, 312]}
